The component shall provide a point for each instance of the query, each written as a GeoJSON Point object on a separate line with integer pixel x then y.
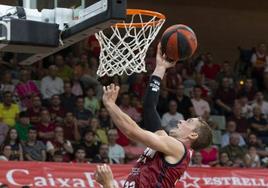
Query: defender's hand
{"type": "Point", "coordinates": [104, 176]}
{"type": "Point", "coordinates": [110, 93]}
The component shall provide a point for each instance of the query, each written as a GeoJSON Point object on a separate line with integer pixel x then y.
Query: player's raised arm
{"type": "Point", "coordinates": [165, 144]}
{"type": "Point", "coordinates": [151, 119]}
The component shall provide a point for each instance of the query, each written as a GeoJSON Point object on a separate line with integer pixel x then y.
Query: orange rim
{"type": "Point", "coordinates": [160, 16]}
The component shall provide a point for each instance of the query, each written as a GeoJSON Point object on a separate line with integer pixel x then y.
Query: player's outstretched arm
{"type": "Point", "coordinates": [165, 144]}
{"type": "Point", "coordinates": [104, 176]}
{"type": "Point", "coordinates": [151, 118]}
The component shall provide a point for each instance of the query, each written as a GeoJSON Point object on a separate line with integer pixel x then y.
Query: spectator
{"type": "Point", "coordinates": [259, 101]}
{"type": "Point", "coordinates": [81, 114]}
{"type": "Point", "coordinates": [6, 84]}
{"type": "Point", "coordinates": [26, 89]}
{"type": "Point", "coordinates": [253, 141]}
{"type": "Point", "coordinates": [259, 62]}
{"type": "Point", "coordinates": [133, 151]}
{"type": "Point", "coordinates": [13, 140]}
{"type": "Point", "coordinates": [171, 118]}
{"type": "Point", "coordinates": [210, 155]}
{"type": "Point", "coordinates": [60, 143]}
{"type": "Point", "coordinates": [246, 109]}
{"type": "Point", "coordinates": [70, 128]}
{"type": "Point", "coordinates": [80, 155]}
{"type": "Point", "coordinates": [51, 84]}
{"type": "Point", "coordinates": [58, 156]}
{"type": "Point", "coordinates": [67, 98]}
{"type": "Point", "coordinates": [35, 110]}
{"type": "Point", "coordinates": [116, 152]}
{"type": "Point", "coordinates": [91, 144]}
{"type": "Point", "coordinates": [201, 107]}
{"type": "Point", "coordinates": [226, 72]}
{"type": "Point", "coordinates": [252, 159]}
{"type": "Point", "coordinates": [210, 69]}
{"type": "Point", "coordinates": [23, 126]}
{"type": "Point", "coordinates": [103, 156]}
{"type": "Point", "coordinates": [56, 111]}
{"type": "Point", "coordinates": [162, 105]}
{"type": "Point", "coordinates": [100, 133]}
{"type": "Point", "coordinates": [6, 152]}
{"type": "Point", "coordinates": [8, 110]}
{"type": "Point", "coordinates": [231, 128]}
{"type": "Point", "coordinates": [138, 84]}
{"type": "Point", "coordinates": [64, 71]}
{"type": "Point", "coordinates": [34, 150]}
{"type": "Point", "coordinates": [225, 98]}
{"type": "Point", "coordinates": [105, 120]}
{"type": "Point", "coordinates": [259, 125]}
{"type": "Point", "coordinates": [184, 104]}
{"type": "Point", "coordinates": [45, 128]}
{"type": "Point", "coordinates": [171, 80]}
{"type": "Point", "coordinates": [197, 160]}
{"type": "Point", "coordinates": [3, 132]}
{"type": "Point", "coordinates": [128, 109]}
{"type": "Point", "coordinates": [224, 160]}
{"type": "Point", "coordinates": [91, 101]}
{"type": "Point", "coordinates": [247, 89]}
{"type": "Point", "coordinates": [241, 122]}
{"type": "Point", "coordinates": [233, 150]}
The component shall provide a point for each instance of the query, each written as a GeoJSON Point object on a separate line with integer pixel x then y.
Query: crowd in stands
{"type": "Point", "coordinates": [52, 110]}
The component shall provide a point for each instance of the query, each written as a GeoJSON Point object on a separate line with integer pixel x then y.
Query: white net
{"type": "Point", "coordinates": [123, 50]}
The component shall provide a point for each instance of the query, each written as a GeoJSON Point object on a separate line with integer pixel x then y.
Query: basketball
{"type": "Point", "coordinates": [178, 42]}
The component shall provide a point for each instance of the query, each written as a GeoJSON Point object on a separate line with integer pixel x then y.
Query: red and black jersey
{"type": "Point", "coordinates": [153, 171]}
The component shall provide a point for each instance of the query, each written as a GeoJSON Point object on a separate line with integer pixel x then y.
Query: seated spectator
{"type": "Point", "coordinates": [224, 160]}
{"type": "Point", "coordinates": [60, 143]}
{"type": "Point", "coordinates": [3, 132]}
{"type": "Point", "coordinates": [51, 84]}
{"type": "Point", "coordinates": [80, 155]}
{"type": "Point", "coordinates": [138, 84]}
{"type": "Point", "coordinates": [34, 150]}
{"type": "Point", "coordinates": [34, 111]}
{"type": "Point", "coordinates": [184, 104]}
{"type": "Point", "coordinates": [6, 84]}
{"type": "Point", "coordinates": [253, 141]}
{"type": "Point", "coordinates": [128, 109]}
{"type": "Point", "coordinates": [133, 151]}
{"type": "Point", "coordinates": [105, 120]}
{"type": "Point", "coordinates": [91, 144]}
{"type": "Point", "coordinates": [233, 150]}
{"type": "Point", "coordinates": [116, 152]}
{"type": "Point", "coordinates": [252, 159]}
{"type": "Point", "coordinates": [70, 128]}
{"type": "Point", "coordinates": [210, 155]}
{"type": "Point", "coordinates": [259, 125]}
{"type": "Point", "coordinates": [64, 71]}
{"type": "Point", "coordinates": [171, 80]}
{"type": "Point", "coordinates": [205, 90]}
{"type": "Point", "coordinates": [231, 128]}
{"type": "Point", "coordinates": [197, 160]}
{"type": "Point", "coordinates": [13, 140]}
{"type": "Point", "coordinates": [23, 126]}
{"type": "Point", "coordinates": [241, 122]}
{"type": "Point", "coordinates": [45, 128]}
{"type": "Point", "coordinates": [226, 72]}
{"type": "Point", "coordinates": [67, 98]}
{"type": "Point", "coordinates": [26, 89]}
{"type": "Point", "coordinates": [210, 69]}
{"type": "Point", "coordinates": [103, 155]}
{"type": "Point", "coordinates": [247, 89]}
{"type": "Point", "coordinates": [246, 109]}
{"type": "Point", "coordinates": [58, 156]}
{"type": "Point", "coordinates": [201, 107]}
{"type": "Point", "coordinates": [5, 152]}
{"type": "Point", "coordinates": [56, 111]}
{"type": "Point", "coordinates": [171, 118]}
{"type": "Point", "coordinates": [81, 114]}
{"type": "Point", "coordinates": [225, 98]}
{"type": "Point", "coordinates": [91, 102]}
{"type": "Point", "coordinates": [100, 133]}
{"type": "Point", "coordinates": [259, 101]}
{"type": "Point", "coordinates": [9, 111]}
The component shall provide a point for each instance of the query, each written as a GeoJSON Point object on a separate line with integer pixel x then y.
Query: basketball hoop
{"type": "Point", "coordinates": [124, 45]}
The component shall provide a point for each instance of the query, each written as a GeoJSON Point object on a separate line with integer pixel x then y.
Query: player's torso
{"type": "Point", "coordinates": [152, 171]}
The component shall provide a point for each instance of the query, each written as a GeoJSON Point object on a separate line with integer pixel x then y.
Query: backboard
{"type": "Point", "coordinates": [44, 27]}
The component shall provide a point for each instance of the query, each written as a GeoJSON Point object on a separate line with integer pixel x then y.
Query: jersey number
{"type": "Point", "coordinates": [129, 184]}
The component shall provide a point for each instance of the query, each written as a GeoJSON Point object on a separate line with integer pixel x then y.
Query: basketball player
{"type": "Point", "coordinates": [167, 155]}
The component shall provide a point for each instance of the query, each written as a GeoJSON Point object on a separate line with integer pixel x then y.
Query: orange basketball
{"type": "Point", "coordinates": [178, 42]}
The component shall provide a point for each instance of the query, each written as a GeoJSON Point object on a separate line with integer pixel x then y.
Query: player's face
{"type": "Point", "coordinates": [184, 128]}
